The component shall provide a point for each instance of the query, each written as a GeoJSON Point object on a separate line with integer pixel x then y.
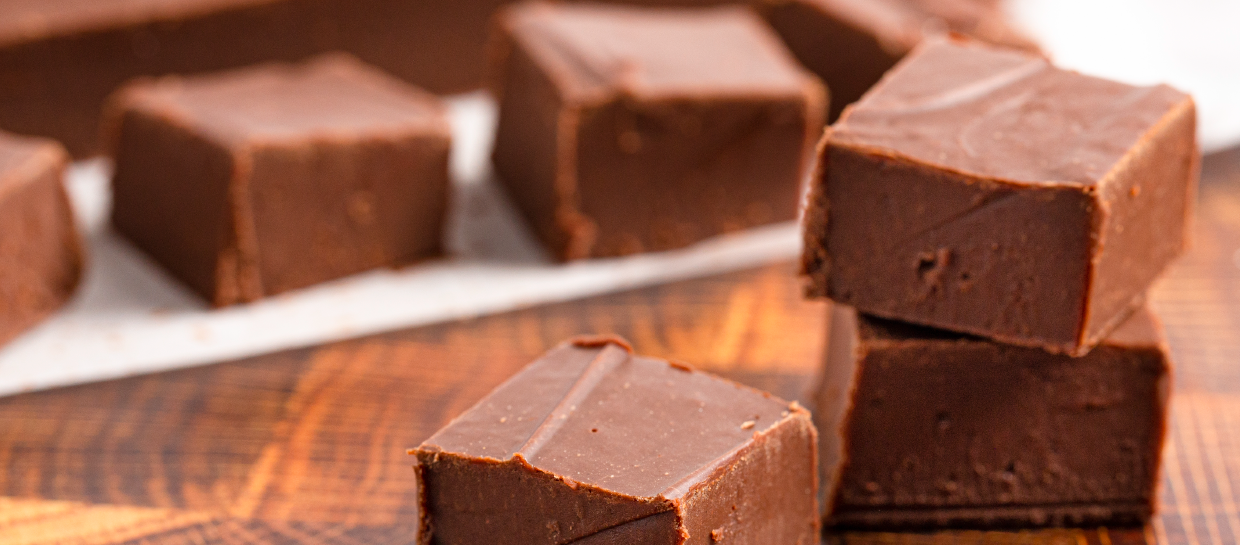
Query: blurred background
{"type": "Point", "coordinates": [1188, 44]}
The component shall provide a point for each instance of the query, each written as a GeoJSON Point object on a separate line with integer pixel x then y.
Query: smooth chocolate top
{"type": "Point", "coordinates": [1003, 115]}
{"type": "Point", "coordinates": [25, 20]}
{"type": "Point", "coordinates": [333, 96]}
{"type": "Point", "coordinates": [23, 158]}
{"type": "Point", "coordinates": [594, 413]}
{"type": "Point", "coordinates": [595, 49]}
{"type": "Point", "coordinates": [1141, 330]}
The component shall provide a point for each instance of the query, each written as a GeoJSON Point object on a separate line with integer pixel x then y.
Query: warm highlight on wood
{"type": "Point", "coordinates": [308, 446]}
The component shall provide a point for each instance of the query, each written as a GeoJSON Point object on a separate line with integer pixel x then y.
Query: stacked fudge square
{"type": "Point", "coordinates": [989, 226]}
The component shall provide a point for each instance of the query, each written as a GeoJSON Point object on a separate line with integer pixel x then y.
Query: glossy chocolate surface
{"type": "Point", "coordinates": [592, 441]}
{"type": "Point", "coordinates": [984, 191]}
{"type": "Point", "coordinates": [925, 428]}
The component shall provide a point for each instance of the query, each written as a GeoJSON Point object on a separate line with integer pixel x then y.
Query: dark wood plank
{"type": "Point", "coordinates": [307, 446]}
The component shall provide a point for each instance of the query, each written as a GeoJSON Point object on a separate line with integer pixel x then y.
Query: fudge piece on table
{"type": "Point", "coordinates": [984, 191]}
{"type": "Point", "coordinates": [40, 252]}
{"type": "Point", "coordinates": [262, 180]}
{"type": "Point", "coordinates": [593, 444]}
{"type": "Point", "coordinates": [60, 59]}
{"type": "Point", "coordinates": [925, 428]}
{"type": "Point", "coordinates": [851, 43]}
{"type": "Point", "coordinates": [626, 129]}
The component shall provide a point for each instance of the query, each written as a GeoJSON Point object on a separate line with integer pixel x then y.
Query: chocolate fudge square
{"type": "Point", "coordinates": [626, 129]}
{"type": "Point", "coordinates": [40, 252]}
{"type": "Point", "coordinates": [985, 191]}
{"type": "Point", "coordinates": [267, 179]}
{"type": "Point", "coordinates": [850, 44]}
{"type": "Point", "coordinates": [593, 444]}
{"type": "Point", "coordinates": [925, 428]}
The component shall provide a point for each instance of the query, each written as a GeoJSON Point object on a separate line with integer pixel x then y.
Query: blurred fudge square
{"type": "Point", "coordinates": [986, 192]}
{"type": "Point", "coordinates": [924, 428]}
{"type": "Point", "coordinates": [851, 43]}
{"type": "Point", "coordinates": [40, 252]}
{"type": "Point", "coordinates": [60, 59]}
{"type": "Point", "coordinates": [592, 444]}
{"type": "Point", "coordinates": [254, 182]}
{"type": "Point", "coordinates": [626, 129]}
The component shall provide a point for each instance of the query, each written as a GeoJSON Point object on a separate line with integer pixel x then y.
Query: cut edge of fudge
{"type": "Point", "coordinates": [36, 222]}
{"type": "Point", "coordinates": [1172, 133]}
{"type": "Point", "coordinates": [547, 111]}
{"type": "Point", "coordinates": [156, 123]}
{"type": "Point", "coordinates": [834, 399]}
{"type": "Point", "coordinates": [1177, 128]}
{"type": "Point", "coordinates": [670, 507]}
{"type": "Point", "coordinates": [618, 513]}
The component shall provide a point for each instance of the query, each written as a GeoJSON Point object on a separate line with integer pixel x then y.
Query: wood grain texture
{"type": "Point", "coordinates": [307, 446]}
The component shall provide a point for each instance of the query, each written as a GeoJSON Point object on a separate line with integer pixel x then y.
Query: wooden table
{"type": "Point", "coordinates": [308, 446]}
